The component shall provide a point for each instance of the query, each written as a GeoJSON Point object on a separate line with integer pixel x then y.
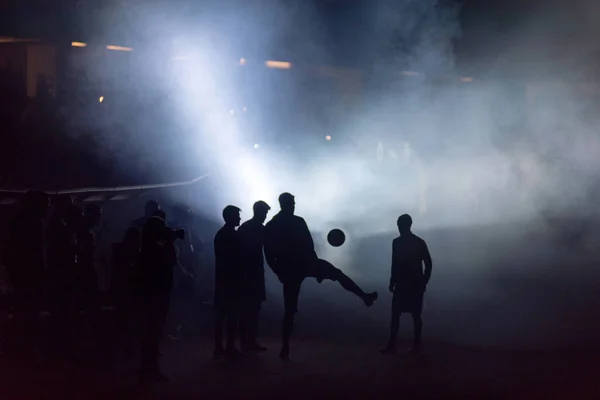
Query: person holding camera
{"type": "Point", "coordinates": [157, 258]}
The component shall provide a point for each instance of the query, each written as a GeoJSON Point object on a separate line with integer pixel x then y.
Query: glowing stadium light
{"type": "Point", "coordinates": [242, 61]}
{"type": "Point", "coordinates": [256, 146]}
{"type": "Point", "coordinates": [278, 64]}
{"type": "Point", "coordinates": [100, 99]}
{"type": "Point", "coordinates": [466, 79]}
{"type": "Point", "coordinates": [232, 111]}
{"type": "Point", "coordinates": [118, 48]}
{"type": "Point", "coordinates": [78, 44]}
{"type": "Point", "coordinates": [327, 137]}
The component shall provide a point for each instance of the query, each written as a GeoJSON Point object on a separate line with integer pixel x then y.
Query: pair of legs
{"type": "Point", "coordinates": [320, 270]}
{"type": "Point", "coordinates": [411, 302]}
{"type": "Point", "coordinates": [155, 309]}
{"type": "Point", "coordinates": [249, 327]}
{"type": "Point", "coordinates": [226, 321]}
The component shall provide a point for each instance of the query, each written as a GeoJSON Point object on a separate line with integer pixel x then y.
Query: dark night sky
{"type": "Point", "coordinates": [487, 26]}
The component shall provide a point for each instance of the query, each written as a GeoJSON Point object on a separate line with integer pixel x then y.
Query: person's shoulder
{"type": "Point", "coordinates": [298, 219]}
{"type": "Point", "coordinates": [419, 239]}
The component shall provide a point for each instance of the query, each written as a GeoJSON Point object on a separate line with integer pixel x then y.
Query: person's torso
{"type": "Point", "coordinates": [289, 237]}
{"type": "Point", "coordinates": [409, 251]}
{"type": "Point", "coordinates": [252, 237]}
{"type": "Point", "coordinates": [227, 255]}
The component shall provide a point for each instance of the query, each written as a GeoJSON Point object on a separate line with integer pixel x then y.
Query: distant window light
{"type": "Point", "coordinates": [118, 48]}
{"type": "Point", "coordinates": [278, 64]}
{"type": "Point", "coordinates": [244, 109]}
{"type": "Point", "coordinates": [327, 137]}
{"type": "Point", "coordinates": [242, 61]}
{"type": "Point", "coordinates": [100, 99]}
{"type": "Point", "coordinates": [466, 79]}
{"type": "Point", "coordinates": [78, 44]}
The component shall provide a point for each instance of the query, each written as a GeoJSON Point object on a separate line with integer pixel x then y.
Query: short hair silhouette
{"type": "Point", "coordinates": [286, 198]}
{"type": "Point", "coordinates": [150, 207]}
{"type": "Point", "coordinates": [230, 212]}
{"type": "Point", "coordinates": [93, 210]}
{"type": "Point", "coordinates": [260, 206]}
{"type": "Point", "coordinates": [62, 204]}
{"type": "Point", "coordinates": [404, 222]}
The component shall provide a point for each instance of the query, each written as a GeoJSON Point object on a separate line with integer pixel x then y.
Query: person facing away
{"type": "Point", "coordinates": [228, 276]}
{"type": "Point", "coordinates": [155, 282]}
{"type": "Point", "coordinates": [252, 235]}
{"type": "Point", "coordinates": [125, 274]}
{"type": "Point", "coordinates": [408, 281]}
{"type": "Point", "coordinates": [149, 209]}
{"type": "Point", "coordinates": [290, 253]}
{"type": "Point", "coordinates": [25, 259]}
{"type": "Point", "coordinates": [86, 247]}
{"type": "Point", "coordinates": [61, 255]}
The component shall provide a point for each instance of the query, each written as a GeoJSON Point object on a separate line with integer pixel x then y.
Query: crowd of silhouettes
{"type": "Point", "coordinates": [53, 265]}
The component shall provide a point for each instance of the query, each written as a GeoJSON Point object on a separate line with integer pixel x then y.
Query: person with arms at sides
{"type": "Point", "coordinates": [155, 283]}
{"type": "Point", "coordinates": [408, 281]}
{"type": "Point", "coordinates": [228, 276]}
{"type": "Point", "coordinates": [252, 234]}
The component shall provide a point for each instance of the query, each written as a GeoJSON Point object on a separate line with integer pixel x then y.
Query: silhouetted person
{"type": "Point", "coordinates": [290, 253]}
{"type": "Point", "coordinates": [86, 247]}
{"type": "Point", "coordinates": [25, 260]}
{"type": "Point", "coordinates": [61, 254]}
{"type": "Point", "coordinates": [228, 275]}
{"type": "Point", "coordinates": [252, 234]}
{"type": "Point", "coordinates": [149, 209]}
{"type": "Point", "coordinates": [125, 277]}
{"type": "Point", "coordinates": [408, 281]}
{"type": "Point", "coordinates": [156, 280]}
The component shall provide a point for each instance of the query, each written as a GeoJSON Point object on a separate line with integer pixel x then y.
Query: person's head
{"type": "Point", "coordinates": [62, 203]}
{"type": "Point", "coordinates": [34, 203]}
{"type": "Point", "coordinates": [261, 209]}
{"type": "Point", "coordinates": [287, 203]}
{"type": "Point", "coordinates": [160, 214]}
{"type": "Point", "coordinates": [231, 215]}
{"type": "Point", "coordinates": [404, 223]}
{"type": "Point", "coordinates": [93, 214]}
{"type": "Point", "coordinates": [153, 231]}
{"type": "Point", "coordinates": [74, 217]}
{"type": "Point", "coordinates": [132, 237]}
{"type": "Point", "coordinates": [151, 206]}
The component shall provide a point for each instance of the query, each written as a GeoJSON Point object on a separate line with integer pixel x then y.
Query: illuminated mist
{"type": "Point", "coordinates": [498, 169]}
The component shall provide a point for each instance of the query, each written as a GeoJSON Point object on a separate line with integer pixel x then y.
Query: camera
{"type": "Point", "coordinates": [174, 234]}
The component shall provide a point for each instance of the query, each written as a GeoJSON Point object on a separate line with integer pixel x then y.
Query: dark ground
{"type": "Point", "coordinates": [508, 314]}
{"type": "Point", "coordinates": [327, 363]}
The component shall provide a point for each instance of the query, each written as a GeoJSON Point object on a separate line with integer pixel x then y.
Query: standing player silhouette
{"type": "Point", "coordinates": [290, 252]}
{"type": "Point", "coordinates": [408, 281]}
